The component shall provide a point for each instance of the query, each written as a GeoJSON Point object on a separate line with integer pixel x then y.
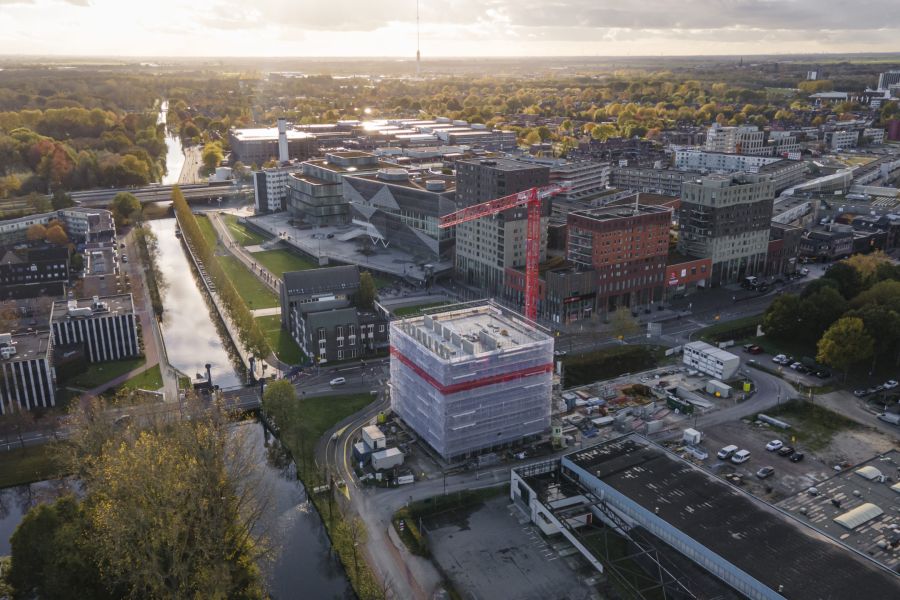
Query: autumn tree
{"type": "Point", "coordinates": [845, 344]}
{"type": "Point", "coordinates": [56, 235]}
{"type": "Point", "coordinates": [36, 232]}
{"type": "Point", "coordinates": [365, 296]}
{"type": "Point", "coordinates": [125, 207]}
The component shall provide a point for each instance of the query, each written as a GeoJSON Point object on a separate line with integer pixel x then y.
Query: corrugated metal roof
{"type": "Point", "coordinates": [859, 515]}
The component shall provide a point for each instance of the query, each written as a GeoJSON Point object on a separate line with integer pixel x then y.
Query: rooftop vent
{"type": "Point", "coordinates": [435, 185]}
{"type": "Point", "coordinates": [393, 175]}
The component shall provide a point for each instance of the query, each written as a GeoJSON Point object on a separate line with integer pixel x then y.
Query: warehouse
{"type": "Point", "coordinates": [756, 549]}
{"type": "Point", "coordinates": [470, 379]}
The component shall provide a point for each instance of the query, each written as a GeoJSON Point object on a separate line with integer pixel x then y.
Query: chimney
{"type": "Point", "coordinates": [282, 141]}
{"type": "Point", "coordinates": [209, 374]}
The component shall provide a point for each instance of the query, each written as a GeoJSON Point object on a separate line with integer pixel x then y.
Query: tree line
{"type": "Point", "coordinates": [251, 336]}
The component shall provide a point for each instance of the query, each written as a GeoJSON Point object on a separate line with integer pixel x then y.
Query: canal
{"type": "Point", "coordinates": [174, 152]}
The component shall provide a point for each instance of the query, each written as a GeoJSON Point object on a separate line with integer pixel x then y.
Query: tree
{"type": "Point", "coordinates": [61, 199]}
{"type": "Point", "coordinates": [169, 509]}
{"type": "Point", "coordinates": [867, 265]}
{"type": "Point", "coordinates": [623, 324]}
{"type": "Point", "coordinates": [817, 285]}
{"type": "Point", "coordinates": [365, 296]}
{"type": "Point", "coordinates": [280, 391]}
{"type": "Point", "coordinates": [124, 207]}
{"type": "Point", "coordinates": [782, 319]}
{"type": "Point", "coordinates": [819, 310]}
{"type": "Point", "coordinates": [57, 235]}
{"type": "Point", "coordinates": [883, 324]}
{"type": "Point", "coordinates": [212, 156]}
{"type": "Point", "coordinates": [884, 293]}
{"type": "Point", "coordinates": [77, 261]}
{"type": "Point", "coordinates": [36, 232]}
{"type": "Point", "coordinates": [533, 138]}
{"type": "Point", "coordinates": [845, 344]}
{"type": "Point", "coordinates": [846, 277]}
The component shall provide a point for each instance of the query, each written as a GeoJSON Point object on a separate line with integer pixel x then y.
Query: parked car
{"type": "Point", "coordinates": [727, 452]}
{"type": "Point", "coordinates": [779, 358]}
{"type": "Point", "coordinates": [741, 456]}
{"type": "Point", "coordinates": [765, 472]}
{"type": "Point", "coordinates": [890, 384]}
{"type": "Point", "coordinates": [823, 374]}
{"type": "Point", "coordinates": [796, 365]}
{"type": "Point", "coordinates": [803, 369]}
{"type": "Point", "coordinates": [774, 445]}
{"type": "Point", "coordinates": [875, 389]}
{"type": "Point", "coordinates": [559, 353]}
{"type": "Point", "coordinates": [860, 393]}
{"type": "Point", "coordinates": [338, 381]}
{"type": "Point", "coordinates": [785, 451]}
{"type": "Point", "coordinates": [796, 457]}
{"type": "Point", "coordinates": [753, 349]}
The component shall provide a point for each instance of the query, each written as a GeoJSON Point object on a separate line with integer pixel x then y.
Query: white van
{"type": "Point", "coordinates": [727, 452]}
{"type": "Point", "coordinates": [741, 456]}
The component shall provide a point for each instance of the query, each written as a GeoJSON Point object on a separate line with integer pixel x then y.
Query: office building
{"type": "Point", "coordinates": [873, 135]}
{"type": "Point", "coordinates": [727, 218]}
{"type": "Point", "coordinates": [842, 138]}
{"type": "Point", "coordinates": [316, 193]}
{"type": "Point", "coordinates": [887, 79]}
{"type": "Point", "coordinates": [104, 328]}
{"type": "Point", "coordinates": [712, 361]}
{"type": "Point", "coordinates": [318, 311]}
{"type": "Point", "coordinates": [403, 210]}
{"type": "Point", "coordinates": [27, 380]}
{"type": "Point", "coordinates": [270, 189]}
{"type": "Point", "coordinates": [471, 379]}
{"type": "Point", "coordinates": [256, 146]}
{"type": "Point", "coordinates": [693, 530]}
{"type": "Point", "coordinates": [486, 247]}
{"type": "Point", "coordinates": [745, 139]}
{"type": "Point", "coordinates": [785, 173]}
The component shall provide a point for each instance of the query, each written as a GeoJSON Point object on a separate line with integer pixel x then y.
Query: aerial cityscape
{"type": "Point", "coordinates": [466, 300]}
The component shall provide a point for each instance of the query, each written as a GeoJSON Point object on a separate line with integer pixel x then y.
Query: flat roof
{"type": "Point", "coordinates": [339, 168]}
{"type": "Point", "coordinates": [30, 346]}
{"type": "Point", "coordinates": [711, 350]}
{"type": "Point", "coordinates": [118, 304]}
{"type": "Point", "coordinates": [623, 211]}
{"type": "Point", "coordinates": [852, 491]}
{"type": "Point", "coordinates": [472, 330]}
{"type": "Point", "coordinates": [750, 534]}
{"type": "Point", "coordinates": [268, 134]}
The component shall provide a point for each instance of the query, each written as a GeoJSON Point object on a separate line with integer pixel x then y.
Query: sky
{"type": "Point", "coordinates": [449, 28]}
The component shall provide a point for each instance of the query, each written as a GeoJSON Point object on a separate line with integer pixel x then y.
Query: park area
{"type": "Point", "coordinates": [280, 341]}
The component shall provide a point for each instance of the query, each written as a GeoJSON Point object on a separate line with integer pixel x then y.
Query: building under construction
{"type": "Point", "coordinates": [472, 378]}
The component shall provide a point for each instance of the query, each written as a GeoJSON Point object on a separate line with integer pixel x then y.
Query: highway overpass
{"type": "Point", "coordinates": [156, 193]}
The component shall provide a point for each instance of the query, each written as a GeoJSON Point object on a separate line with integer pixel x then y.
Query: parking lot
{"type": "Point", "coordinates": [848, 446]}
{"type": "Point", "coordinates": [494, 552]}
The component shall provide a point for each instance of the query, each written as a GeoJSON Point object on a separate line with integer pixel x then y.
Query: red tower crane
{"type": "Point", "coordinates": [531, 199]}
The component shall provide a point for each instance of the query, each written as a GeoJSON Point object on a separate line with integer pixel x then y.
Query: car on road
{"type": "Point", "coordinates": [785, 451]}
{"type": "Point", "coordinates": [753, 349]}
{"type": "Point", "coordinates": [727, 452]}
{"type": "Point", "coordinates": [890, 384]}
{"type": "Point", "coordinates": [765, 472]}
{"type": "Point", "coordinates": [797, 457]}
{"type": "Point", "coordinates": [338, 381]}
{"type": "Point", "coordinates": [774, 445]}
{"type": "Point", "coordinates": [741, 456]}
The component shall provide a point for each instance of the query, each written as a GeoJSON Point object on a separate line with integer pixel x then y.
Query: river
{"type": "Point", "coordinates": [192, 332]}
{"type": "Point", "coordinates": [174, 152]}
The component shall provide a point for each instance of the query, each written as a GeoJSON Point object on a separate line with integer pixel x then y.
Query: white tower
{"type": "Point", "coordinates": [418, 54]}
{"type": "Point", "coordinates": [283, 156]}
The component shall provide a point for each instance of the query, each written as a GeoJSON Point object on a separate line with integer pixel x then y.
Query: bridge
{"type": "Point", "coordinates": [155, 193]}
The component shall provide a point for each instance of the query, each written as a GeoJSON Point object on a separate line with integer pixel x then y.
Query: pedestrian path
{"type": "Point", "coordinates": [266, 312]}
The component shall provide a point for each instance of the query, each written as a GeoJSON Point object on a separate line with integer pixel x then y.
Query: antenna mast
{"type": "Point", "coordinates": [418, 55]}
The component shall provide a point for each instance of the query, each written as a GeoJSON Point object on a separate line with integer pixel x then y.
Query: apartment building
{"type": "Point", "coordinates": [270, 189]}
{"type": "Point", "coordinates": [486, 247]}
{"type": "Point", "coordinates": [727, 218]}
{"type": "Point", "coordinates": [650, 180]}
{"type": "Point", "coordinates": [745, 139]}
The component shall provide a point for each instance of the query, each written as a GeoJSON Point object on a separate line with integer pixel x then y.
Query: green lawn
{"type": "Point", "coordinates": [254, 292]}
{"type": "Point", "coordinates": [279, 261]}
{"type": "Point", "coordinates": [411, 310]}
{"type": "Point", "coordinates": [99, 373]}
{"type": "Point", "coordinates": [303, 422]}
{"type": "Point", "coordinates": [206, 228]}
{"type": "Point", "coordinates": [285, 348]}
{"type": "Point", "coordinates": [241, 233]}
{"type": "Point", "coordinates": [151, 380]}
{"type": "Point", "coordinates": [26, 465]}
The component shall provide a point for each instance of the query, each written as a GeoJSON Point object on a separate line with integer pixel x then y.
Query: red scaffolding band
{"type": "Point", "coordinates": [475, 383]}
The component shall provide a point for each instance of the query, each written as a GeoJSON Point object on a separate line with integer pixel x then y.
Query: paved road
{"type": "Point", "coordinates": [190, 171]}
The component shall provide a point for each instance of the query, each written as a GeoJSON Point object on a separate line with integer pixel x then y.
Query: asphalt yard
{"type": "Point", "coordinates": [494, 552]}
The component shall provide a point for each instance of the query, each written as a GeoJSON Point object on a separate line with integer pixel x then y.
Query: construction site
{"type": "Point", "coordinates": [474, 378]}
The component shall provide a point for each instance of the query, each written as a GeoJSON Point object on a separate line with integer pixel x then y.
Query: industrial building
{"type": "Point", "coordinates": [27, 379]}
{"type": "Point", "coordinates": [693, 534]}
{"type": "Point", "coordinates": [473, 378]}
{"type": "Point", "coordinates": [713, 361]}
{"type": "Point", "coordinates": [105, 328]}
